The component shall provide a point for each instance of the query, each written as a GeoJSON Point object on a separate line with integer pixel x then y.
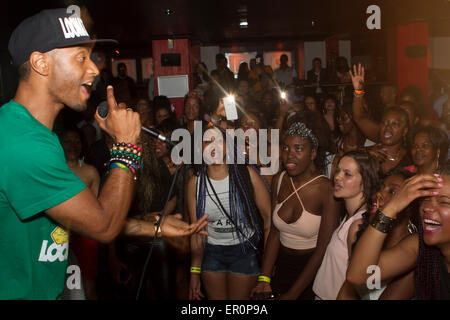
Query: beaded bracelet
{"type": "Point", "coordinates": [264, 279]}
{"type": "Point", "coordinates": [126, 152]}
{"type": "Point", "coordinates": [196, 270]}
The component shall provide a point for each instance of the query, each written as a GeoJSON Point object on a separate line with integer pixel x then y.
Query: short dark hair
{"type": "Point", "coordinates": [24, 71]}
{"type": "Point", "coordinates": [400, 111]}
{"type": "Point", "coordinates": [438, 139]}
{"type": "Point", "coordinates": [220, 56]}
{"type": "Point", "coordinates": [317, 59]}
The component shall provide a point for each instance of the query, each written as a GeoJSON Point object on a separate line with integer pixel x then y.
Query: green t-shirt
{"type": "Point", "coordinates": [34, 177]}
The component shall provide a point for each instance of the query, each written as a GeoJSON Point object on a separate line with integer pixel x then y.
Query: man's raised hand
{"type": "Point", "coordinates": [121, 122]}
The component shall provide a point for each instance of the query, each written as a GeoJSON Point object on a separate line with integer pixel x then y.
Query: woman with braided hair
{"type": "Point", "coordinates": [238, 206]}
{"type": "Point", "coordinates": [305, 214]}
{"type": "Point", "coordinates": [428, 252]}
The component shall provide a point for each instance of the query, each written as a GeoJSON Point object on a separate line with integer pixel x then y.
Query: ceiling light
{"type": "Point", "coordinates": [243, 23]}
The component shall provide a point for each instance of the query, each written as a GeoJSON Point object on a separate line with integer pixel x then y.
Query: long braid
{"type": "Point", "coordinates": [427, 275]}
{"type": "Point", "coordinates": [242, 207]}
{"type": "Point", "coordinates": [428, 269]}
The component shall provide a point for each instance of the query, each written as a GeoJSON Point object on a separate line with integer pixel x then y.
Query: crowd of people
{"type": "Point", "coordinates": [358, 207]}
{"type": "Point", "coordinates": [304, 232]}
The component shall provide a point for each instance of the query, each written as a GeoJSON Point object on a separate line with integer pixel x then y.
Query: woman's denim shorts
{"type": "Point", "coordinates": [234, 259]}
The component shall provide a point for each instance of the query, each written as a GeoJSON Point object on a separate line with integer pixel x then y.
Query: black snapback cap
{"type": "Point", "coordinates": [48, 30]}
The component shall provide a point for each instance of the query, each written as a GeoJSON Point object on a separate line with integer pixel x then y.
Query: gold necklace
{"type": "Point", "coordinates": [394, 158]}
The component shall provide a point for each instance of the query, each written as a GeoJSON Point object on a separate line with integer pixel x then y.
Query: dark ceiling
{"type": "Point", "coordinates": [137, 22]}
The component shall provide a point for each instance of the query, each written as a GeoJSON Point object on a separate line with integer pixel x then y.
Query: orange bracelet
{"type": "Point", "coordinates": [359, 92]}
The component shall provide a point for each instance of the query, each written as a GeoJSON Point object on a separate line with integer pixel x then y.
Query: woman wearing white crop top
{"type": "Point", "coordinates": [305, 214]}
{"type": "Point", "coordinates": [238, 206]}
{"type": "Point", "coordinates": [356, 181]}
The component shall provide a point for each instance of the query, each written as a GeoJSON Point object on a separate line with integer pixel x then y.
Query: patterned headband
{"type": "Point", "coordinates": [299, 128]}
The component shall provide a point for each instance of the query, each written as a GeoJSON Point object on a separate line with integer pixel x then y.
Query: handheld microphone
{"type": "Point", "coordinates": [103, 110]}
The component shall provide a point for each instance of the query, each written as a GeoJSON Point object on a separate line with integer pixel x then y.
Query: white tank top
{"type": "Point", "coordinates": [220, 229]}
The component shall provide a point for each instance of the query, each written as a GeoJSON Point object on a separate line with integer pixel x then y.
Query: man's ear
{"type": "Point", "coordinates": [39, 62]}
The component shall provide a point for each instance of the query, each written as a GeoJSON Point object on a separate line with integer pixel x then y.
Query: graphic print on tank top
{"type": "Point", "coordinates": [221, 230]}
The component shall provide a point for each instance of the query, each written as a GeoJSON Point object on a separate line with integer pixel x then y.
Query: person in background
{"type": "Point", "coordinates": [253, 120]}
{"type": "Point", "coordinates": [329, 111]}
{"type": "Point", "coordinates": [193, 111]}
{"type": "Point", "coordinates": [145, 112]}
{"type": "Point", "coordinates": [311, 104]}
{"type": "Point", "coordinates": [428, 146]}
{"type": "Point", "coordinates": [368, 126]}
{"type": "Point", "coordinates": [85, 249]}
{"type": "Point", "coordinates": [317, 75]}
{"type": "Point", "coordinates": [162, 109]}
{"type": "Point", "coordinates": [388, 95]}
{"type": "Point", "coordinates": [243, 71]}
{"type": "Point", "coordinates": [151, 82]}
{"type": "Point", "coordinates": [104, 79]}
{"type": "Point", "coordinates": [226, 76]}
{"type": "Point", "coordinates": [391, 151]}
{"type": "Point", "coordinates": [284, 75]}
{"type": "Point", "coordinates": [343, 70]}
{"type": "Point", "coordinates": [201, 78]}
{"type": "Point", "coordinates": [124, 85]}
{"type": "Point", "coordinates": [350, 137]}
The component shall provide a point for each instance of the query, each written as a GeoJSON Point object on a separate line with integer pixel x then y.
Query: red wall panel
{"type": "Point", "coordinates": [182, 47]}
{"type": "Point", "coordinates": [412, 71]}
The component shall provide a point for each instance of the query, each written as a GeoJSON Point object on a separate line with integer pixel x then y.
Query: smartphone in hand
{"type": "Point", "coordinates": [230, 108]}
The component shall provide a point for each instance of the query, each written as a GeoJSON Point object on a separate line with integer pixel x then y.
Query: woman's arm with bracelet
{"type": "Point", "coordinates": [270, 249]}
{"type": "Point", "coordinates": [170, 226]}
{"type": "Point", "coordinates": [368, 127]}
{"type": "Point", "coordinates": [401, 258]}
{"type": "Point", "coordinates": [196, 242]}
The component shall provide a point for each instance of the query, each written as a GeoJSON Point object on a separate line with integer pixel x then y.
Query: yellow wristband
{"type": "Point", "coordinates": [264, 279]}
{"type": "Point", "coordinates": [196, 270]}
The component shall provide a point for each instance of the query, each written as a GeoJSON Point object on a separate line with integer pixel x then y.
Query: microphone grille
{"type": "Point", "coordinates": [103, 109]}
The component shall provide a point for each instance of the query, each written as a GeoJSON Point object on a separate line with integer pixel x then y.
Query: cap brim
{"type": "Point", "coordinates": [90, 41]}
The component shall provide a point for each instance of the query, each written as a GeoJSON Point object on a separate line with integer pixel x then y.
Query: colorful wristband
{"type": "Point", "coordinates": [359, 92]}
{"type": "Point", "coordinates": [196, 270]}
{"type": "Point", "coordinates": [118, 165]}
{"type": "Point", "coordinates": [264, 279]}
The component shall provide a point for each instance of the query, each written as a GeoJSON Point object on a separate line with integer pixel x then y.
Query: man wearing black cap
{"type": "Point", "coordinates": [40, 197]}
